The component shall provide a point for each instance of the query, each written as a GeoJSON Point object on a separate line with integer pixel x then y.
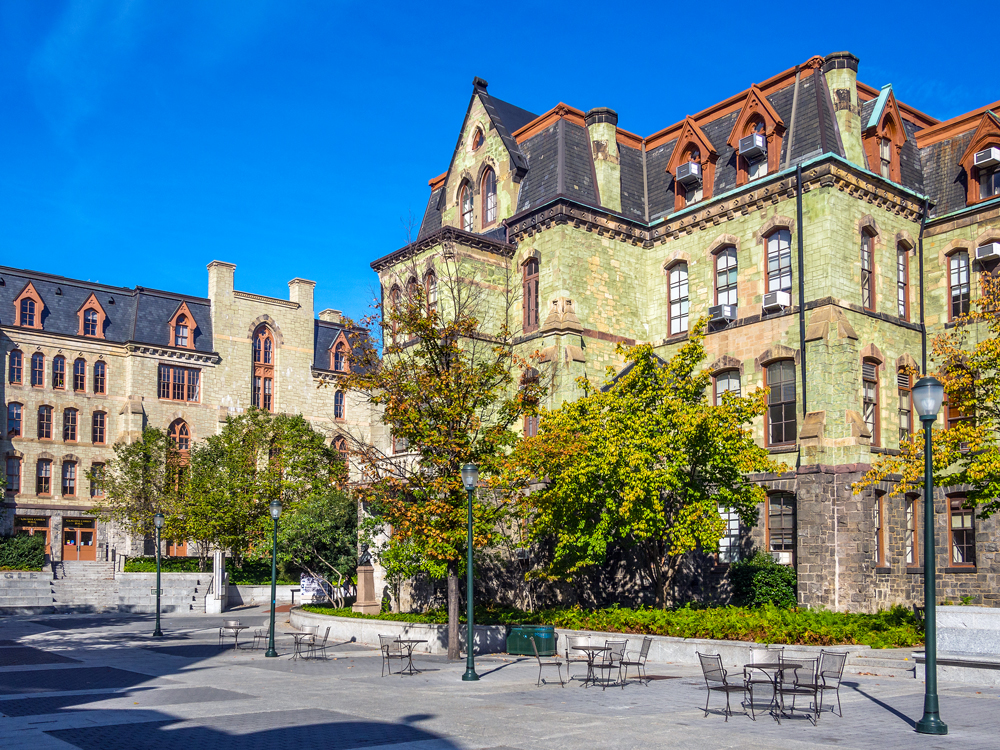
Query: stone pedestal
{"type": "Point", "coordinates": [368, 601]}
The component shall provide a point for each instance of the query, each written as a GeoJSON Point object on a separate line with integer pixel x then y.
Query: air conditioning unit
{"type": "Point", "coordinates": [777, 301]}
{"type": "Point", "coordinates": [990, 251]}
{"type": "Point", "coordinates": [753, 147]}
{"type": "Point", "coordinates": [689, 173]}
{"type": "Point", "coordinates": [988, 157]}
{"type": "Point", "coordinates": [722, 313]}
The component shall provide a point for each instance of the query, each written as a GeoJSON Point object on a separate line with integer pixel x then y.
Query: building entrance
{"type": "Point", "coordinates": [79, 541]}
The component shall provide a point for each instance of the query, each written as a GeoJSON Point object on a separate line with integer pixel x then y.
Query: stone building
{"type": "Point", "coordinates": [88, 365]}
{"type": "Point", "coordinates": [826, 228]}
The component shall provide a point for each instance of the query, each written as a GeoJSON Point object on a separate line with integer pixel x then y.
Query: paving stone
{"type": "Point", "coordinates": [19, 656]}
{"type": "Point", "coordinates": [79, 678]}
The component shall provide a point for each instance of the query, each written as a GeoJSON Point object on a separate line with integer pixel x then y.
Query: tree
{"type": "Point", "coordinates": [321, 537]}
{"type": "Point", "coordinates": [445, 388]}
{"type": "Point", "coordinates": [967, 451]}
{"type": "Point", "coordinates": [646, 462]}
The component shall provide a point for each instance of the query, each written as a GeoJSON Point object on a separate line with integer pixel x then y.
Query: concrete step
{"type": "Point", "coordinates": [895, 662]}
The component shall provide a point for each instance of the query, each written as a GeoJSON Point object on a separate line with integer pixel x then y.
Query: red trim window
{"type": "Point", "coordinates": [80, 375]}
{"type": "Point", "coordinates": [477, 139]}
{"type": "Point", "coordinates": [867, 271]}
{"type": "Point", "coordinates": [263, 369]}
{"type": "Point", "coordinates": [28, 313]}
{"type": "Point", "coordinates": [340, 357]}
{"type": "Point", "coordinates": [530, 295]}
{"type": "Point", "coordinates": [779, 261]}
{"type": "Point", "coordinates": [905, 406]}
{"type": "Point", "coordinates": [28, 308]}
{"type": "Point", "coordinates": [726, 272]}
{"type": "Point", "coordinates": [13, 475]}
{"type": "Point", "coordinates": [15, 364]}
{"type": "Point", "coordinates": [340, 445]}
{"type": "Point", "coordinates": [488, 194]}
{"type": "Point", "coordinates": [468, 210]}
{"type": "Point", "coordinates": [179, 435]}
{"type": "Point", "coordinates": [678, 299]}
{"type": "Point", "coordinates": [43, 477]}
{"type": "Point", "coordinates": [44, 422]}
{"type": "Point", "coordinates": [69, 425]}
{"type": "Point", "coordinates": [69, 478]}
{"type": "Point", "coordinates": [962, 533]}
{"type": "Point", "coordinates": [338, 405]}
{"type": "Point", "coordinates": [869, 398]}
{"type": "Point", "coordinates": [881, 554]}
{"type": "Point", "coordinates": [14, 412]}
{"type": "Point", "coordinates": [695, 191]}
{"type": "Point", "coordinates": [98, 423]}
{"type": "Point", "coordinates": [903, 281]}
{"type": "Point", "coordinates": [179, 383]}
{"type": "Point", "coordinates": [182, 327]}
{"type": "Point", "coordinates": [531, 426]}
{"type": "Point", "coordinates": [59, 372]}
{"type": "Point", "coordinates": [959, 288]}
{"type": "Point", "coordinates": [38, 370]}
{"type": "Point", "coordinates": [90, 322]}
{"type": "Point", "coordinates": [758, 167]}
{"type": "Point", "coordinates": [911, 540]}
{"type": "Point", "coordinates": [181, 331]}
{"type": "Point", "coordinates": [781, 420]}
{"type": "Point", "coordinates": [100, 377]}
{"type": "Point", "coordinates": [92, 318]}
{"type": "Point", "coordinates": [982, 183]}
{"type": "Point", "coordinates": [97, 480]}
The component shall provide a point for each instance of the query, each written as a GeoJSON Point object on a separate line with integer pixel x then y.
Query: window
{"type": "Point", "coordinates": [430, 281]}
{"type": "Point", "coordinates": [100, 373]}
{"type": "Point", "coordinates": [89, 322]}
{"type": "Point", "coordinates": [340, 357]}
{"type": "Point", "coordinates": [181, 331]}
{"type": "Point", "coordinates": [903, 282]}
{"type": "Point", "coordinates": [80, 375]}
{"type": "Point", "coordinates": [781, 527]}
{"type": "Point", "coordinates": [69, 478]}
{"type": "Point", "coordinates": [28, 313]}
{"type": "Point", "coordinates": [97, 480]}
{"type": "Point", "coordinates": [44, 422]}
{"type": "Point", "coordinates": [780, 378]}
{"type": "Point", "coordinates": [399, 445]}
{"type": "Point", "coordinates": [727, 381]}
{"type": "Point", "coordinates": [411, 289]}
{"type": "Point", "coordinates": [59, 372]}
{"type": "Point", "coordinates": [962, 526]}
{"type": "Point", "coordinates": [338, 405]}
{"type": "Point", "coordinates": [910, 540]}
{"type": "Point", "coordinates": [530, 426]}
{"type": "Point", "coordinates": [869, 398]}
{"type": "Point", "coordinates": [179, 383]}
{"type": "Point", "coordinates": [477, 139]}
{"type": "Point", "coordinates": [98, 423]}
{"type": "Point", "coordinates": [678, 290]}
{"type": "Point", "coordinates": [779, 261]}
{"type": "Point", "coordinates": [13, 421]}
{"type": "Point", "coordinates": [394, 295]}
{"type": "Point", "coordinates": [881, 558]}
{"type": "Point", "coordinates": [729, 544]}
{"type": "Point", "coordinates": [466, 202]}
{"type": "Point", "coordinates": [340, 445]}
{"type": "Point", "coordinates": [958, 284]}
{"type": "Point", "coordinates": [530, 303]}
{"type": "Point", "coordinates": [885, 157]}
{"type": "Point", "coordinates": [725, 277]}
{"type": "Point", "coordinates": [43, 477]}
{"type": "Point", "coordinates": [989, 182]}
{"type": "Point", "coordinates": [180, 435]}
{"type": "Point", "coordinates": [69, 425]}
{"type": "Point", "coordinates": [867, 267]}
{"type": "Point", "coordinates": [37, 370]}
{"type": "Point", "coordinates": [13, 475]}
{"type": "Point", "coordinates": [263, 369]}
{"type": "Point", "coordinates": [489, 197]}
{"type": "Point", "coordinates": [14, 367]}
{"type": "Point", "coordinates": [694, 192]}
{"type": "Point", "coordinates": [905, 406]}
{"type": "Point", "coordinates": [757, 167]}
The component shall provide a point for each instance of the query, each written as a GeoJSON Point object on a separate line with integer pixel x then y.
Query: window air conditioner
{"type": "Point", "coordinates": [777, 301]}
{"type": "Point", "coordinates": [722, 313]}
{"type": "Point", "coordinates": [989, 251]}
{"type": "Point", "coordinates": [753, 147]}
{"type": "Point", "coordinates": [988, 157]}
{"type": "Point", "coordinates": [689, 173]}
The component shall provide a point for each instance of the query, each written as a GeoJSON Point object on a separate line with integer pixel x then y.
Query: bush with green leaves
{"type": "Point", "coordinates": [167, 565]}
{"type": "Point", "coordinates": [759, 580]}
{"type": "Point", "coordinates": [22, 552]}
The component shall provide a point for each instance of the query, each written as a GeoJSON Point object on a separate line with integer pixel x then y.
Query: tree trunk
{"type": "Point", "coordinates": [454, 652]}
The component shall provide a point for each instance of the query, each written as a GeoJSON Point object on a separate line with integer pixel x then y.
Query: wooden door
{"type": "Point", "coordinates": [71, 544]}
{"type": "Point", "coordinates": [176, 549]}
{"type": "Point", "coordinates": [79, 539]}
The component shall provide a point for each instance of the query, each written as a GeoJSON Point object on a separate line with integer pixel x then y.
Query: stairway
{"type": "Point", "coordinates": [83, 586]}
{"type": "Point", "coordinates": [885, 662]}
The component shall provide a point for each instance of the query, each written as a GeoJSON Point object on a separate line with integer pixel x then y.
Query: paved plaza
{"type": "Point", "coordinates": [100, 682]}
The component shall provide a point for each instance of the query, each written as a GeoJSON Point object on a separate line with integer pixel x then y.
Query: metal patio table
{"type": "Point", "coordinates": [591, 652]}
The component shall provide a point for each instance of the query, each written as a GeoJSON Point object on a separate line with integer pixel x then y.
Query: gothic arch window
{"type": "Point", "coordinates": [867, 270]}
{"type": "Point", "coordinates": [340, 445]}
{"type": "Point", "coordinates": [262, 384]}
{"type": "Point", "coordinates": [489, 197]}
{"type": "Point", "coordinates": [530, 295]}
{"type": "Point", "coordinates": [180, 435]}
{"type": "Point", "coordinates": [756, 137]}
{"type": "Point", "coordinates": [28, 313]}
{"type": "Point", "coordinates": [431, 285]}
{"type": "Point", "coordinates": [883, 137]}
{"type": "Point", "coordinates": [959, 286]}
{"type": "Point", "coordinates": [340, 357]}
{"type": "Point", "coordinates": [466, 205]}
{"type": "Point", "coordinates": [181, 331]}
{"type": "Point", "coordinates": [692, 164]}
{"type": "Point", "coordinates": [983, 180]}
{"type": "Point", "coordinates": [28, 308]}
{"type": "Point", "coordinates": [477, 140]}
{"type": "Point", "coordinates": [89, 322]}
{"type": "Point", "coordinates": [91, 318]}
{"type": "Point", "coordinates": [338, 405]}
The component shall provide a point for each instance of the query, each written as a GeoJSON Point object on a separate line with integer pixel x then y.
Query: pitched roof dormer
{"type": "Point", "coordinates": [883, 135]}
{"type": "Point", "coordinates": [28, 308]}
{"type": "Point", "coordinates": [92, 326]}
{"type": "Point", "coordinates": [342, 345]}
{"type": "Point", "coordinates": [182, 326]}
{"type": "Point", "coordinates": [693, 145]}
{"type": "Point", "coordinates": [757, 116]}
{"type": "Point", "coordinates": [987, 134]}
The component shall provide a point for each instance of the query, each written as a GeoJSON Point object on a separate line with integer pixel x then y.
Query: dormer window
{"type": "Point", "coordinates": [693, 189]}
{"type": "Point", "coordinates": [28, 308]}
{"type": "Point", "coordinates": [987, 164]}
{"type": "Point", "coordinates": [883, 136]}
{"type": "Point", "coordinates": [340, 353]}
{"type": "Point", "coordinates": [28, 313]}
{"type": "Point", "coordinates": [885, 157]}
{"type": "Point", "coordinates": [693, 166]}
{"type": "Point", "coordinates": [89, 322]}
{"type": "Point", "coordinates": [182, 327]}
{"type": "Point", "coordinates": [981, 161]}
{"type": "Point", "coordinates": [181, 332]}
{"type": "Point", "coordinates": [92, 318]}
{"type": "Point", "coordinates": [756, 138]}
{"type": "Point", "coordinates": [754, 148]}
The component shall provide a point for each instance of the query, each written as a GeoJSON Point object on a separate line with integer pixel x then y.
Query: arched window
{"type": "Point", "coordinates": [530, 295]}
{"type": "Point", "coordinates": [867, 271]}
{"type": "Point", "coordinates": [262, 395]}
{"type": "Point", "coordinates": [80, 375]}
{"type": "Point", "coordinates": [727, 381]}
{"type": "Point", "coordinates": [98, 427]}
{"type": "Point", "coordinates": [28, 313]}
{"type": "Point", "coordinates": [181, 331]}
{"type": "Point", "coordinates": [394, 298]}
{"type": "Point", "coordinates": [15, 365]}
{"type": "Point", "coordinates": [69, 425]}
{"type": "Point", "coordinates": [338, 405]}
{"type": "Point", "coordinates": [89, 322]}
{"type": "Point", "coordinates": [477, 140]}
{"type": "Point", "coordinates": [179, 435]}
{"type": "Point", "coordinates": [411, 289]}
{"type": "Point", "coordinates": [903, 281]}
{"type": "Point", "coordinates": [340, 357]}
{"type": "Point", "coordinates": [340, 445]}
{"type": "Point", "coordinates": [431, 284]}
{"type": "Point", "coordinates": [465, 202]}
{"type": "Point", "coordinates": [100, 377]}
{"type": "Point", "coordinates": [13, 420]}
{"type": "Point", "coordinates": [38, 370]}
{"type": "Point", "coordinates": [694, 191]}
{"type": "Point", "coordinates": [678, 291]}
{"type": "Point", "coordinates": [905, 405]}
{"type": "Point", "coordinates": [885, 151]}
{"type": "Point", "coordinates": [869, 398]}
{"type": "Point", "coordinates": [59, 371]}
{"type": "Point", "coordinates": [779, 261]}
{"type": "Point", "coordinates": [726, 273]}
{"type": "Point", "coordinates": [757, 165]}
{"type": "Point", "coordinates": [43, 477]}
{"type": "Point", "coordinates": [69, 478]}
{"type": "Point", "coordinates": [489, 197]}
{"type": "Point", "coordinates": [44, 422]}
{"type": "Point", "coordinates": [958, 285]}
{"type": "Point", "coordinates": [780, 378]}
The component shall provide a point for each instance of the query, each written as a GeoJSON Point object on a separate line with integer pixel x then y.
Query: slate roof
{"type": "Point", "coordinates": [944, 177]}
{"type": "Point", "coordinates": [325, 334]}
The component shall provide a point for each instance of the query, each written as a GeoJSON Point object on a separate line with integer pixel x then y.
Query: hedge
{"type": "Point", "coordinates": [22, 552]}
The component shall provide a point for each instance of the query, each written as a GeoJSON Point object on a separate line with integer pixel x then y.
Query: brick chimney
{"type": "Point", "coordinates": [330, 315]}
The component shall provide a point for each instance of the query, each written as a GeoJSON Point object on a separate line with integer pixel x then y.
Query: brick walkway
{"type": "Point", "coordinates": [125, 691]}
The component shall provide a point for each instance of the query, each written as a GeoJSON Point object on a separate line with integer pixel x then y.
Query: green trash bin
{"type": "Point", "coordinates": [519, 640]}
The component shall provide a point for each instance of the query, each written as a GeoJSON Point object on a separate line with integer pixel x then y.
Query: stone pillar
{"type": "Point", "coordinates": [602, 125]}
{"type": "Point", "coordinates": [368, 601]}
{"type": "Point", "coordinates": [215, 603]}
{"type": "Point", "coordinates": [841, 72]}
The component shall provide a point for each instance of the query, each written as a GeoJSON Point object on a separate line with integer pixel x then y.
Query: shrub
{"type": "Point", "coordinates": [258, 572]}
{"type": "Point", "coordinates": [167, 565]}
{"type": "Point", "coordinates": [759, 580]}
{"type": "Point", "coordinates": [22, 552]}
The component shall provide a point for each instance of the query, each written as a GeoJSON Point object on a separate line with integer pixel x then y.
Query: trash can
{"type": "Point", "coordinates": [519, 640]}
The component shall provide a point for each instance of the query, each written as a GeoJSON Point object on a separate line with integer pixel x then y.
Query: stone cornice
{"type": "Point", "coordinates": [442, 235]}
{"type": "Point", "coordinates": [267, 300]}
{"type": "Point", "coordinates": [182, 355]}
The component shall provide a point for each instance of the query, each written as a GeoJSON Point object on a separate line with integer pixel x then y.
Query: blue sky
{"type": "Point", "coordinates": [140, 140]}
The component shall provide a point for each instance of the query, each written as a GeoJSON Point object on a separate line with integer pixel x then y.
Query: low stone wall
{"type": "Point", "coordinates": [245, 593]}
{"type": "Point", "coordinates": [181, 592]}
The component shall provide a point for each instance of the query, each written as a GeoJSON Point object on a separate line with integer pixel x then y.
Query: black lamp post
{"type": "Point", "coordinates": [158, 523]}
{"type": "Point", "coordinates": [470, 478]}
{"type": "Point", "coordinates": [275, 512]}
{"type": "Point", "coordinates": [928, 394]}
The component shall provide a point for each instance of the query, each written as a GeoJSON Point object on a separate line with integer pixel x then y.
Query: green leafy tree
{"type": "Point", "coordinates": [646, 462]}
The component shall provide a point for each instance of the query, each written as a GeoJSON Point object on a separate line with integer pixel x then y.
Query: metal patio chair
{"type": "Point", "coordinates": [639, 662]}
{"type": "Point", "coordinates": [229, 629]}
{"type": "Point", "coordinates": [576, 657]}
{"type": "Point", "coordinates": [319, 646]}
{"type": "Point", "coordinates": [262, 636]}
{"type": "Point", "coordinates": [758, 680]}
{"type": "Point", "coordinates": [391, 649]}
{"type": "Point", "coordinates": [542, 664]}
{"type": "Point", "coordinates": [716, 682]}
{"type": "Point", "coordinates": [827, 676]}
{"type": "Point", "coordinates": [611, 660]}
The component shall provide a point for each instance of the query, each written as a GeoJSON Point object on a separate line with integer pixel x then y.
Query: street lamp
{"type": "Point", "coordinates": [158, 523]}
{"type": "Point", "coordinates": [470, 478]}
{"type": "Point", "coordinates": [928, 394]}
{"type": "Point", "coordinates": [275, 512]}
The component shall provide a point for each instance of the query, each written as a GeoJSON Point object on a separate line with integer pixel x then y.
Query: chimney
{"type": "Point", "coordinates": [220, 279]}
{"type": "Point", "coordinates": [331, 316]}
{"type": "Point", "coordinates": [301, 291]}
{"type": "Point", "coordinates": [602, 124]}
{"type": "Point", "coordinates": [841, 72]}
